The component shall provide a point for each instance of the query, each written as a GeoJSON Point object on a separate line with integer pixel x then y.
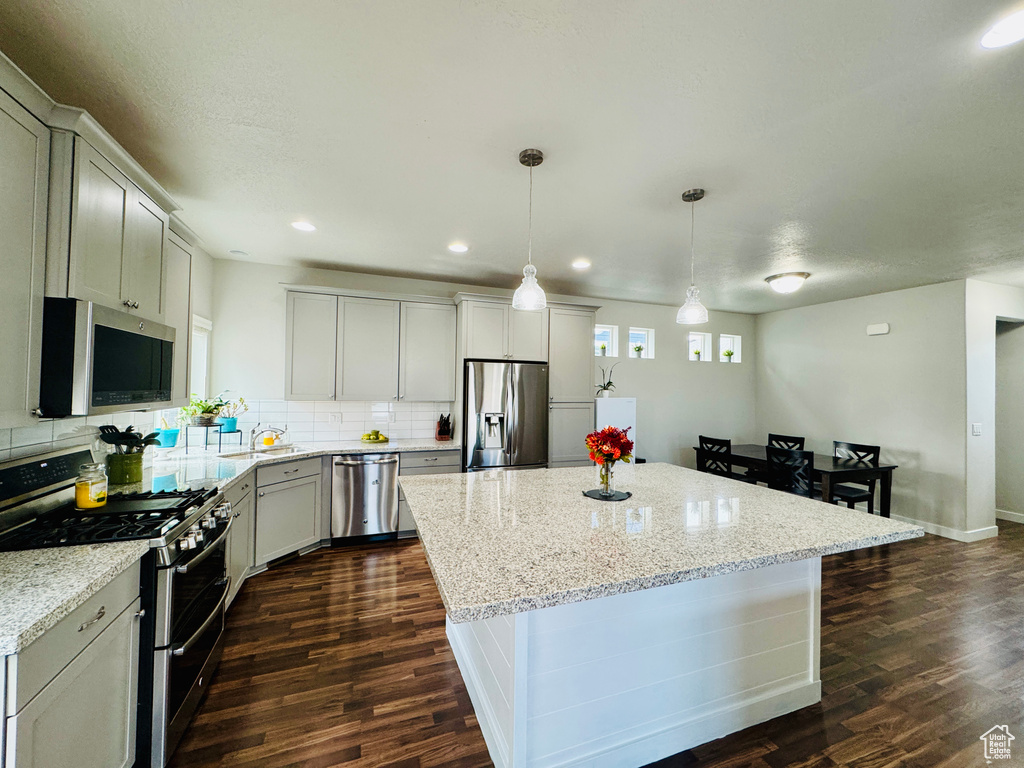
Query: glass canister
{"type": "Point", "coordinates": [91, 486]}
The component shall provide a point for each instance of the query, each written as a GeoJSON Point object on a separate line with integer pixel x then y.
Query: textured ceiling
{"type": "Point", "coordinates": [873, 144]}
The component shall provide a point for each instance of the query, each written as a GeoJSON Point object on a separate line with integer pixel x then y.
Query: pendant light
{"type": "Point", "coordinates": [692, 312]}
{"type": "Point", "coordinates": [530, 296]}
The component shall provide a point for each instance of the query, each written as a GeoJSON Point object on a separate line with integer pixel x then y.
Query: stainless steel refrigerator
{"type": "Point", "coordinates": [505, 419]}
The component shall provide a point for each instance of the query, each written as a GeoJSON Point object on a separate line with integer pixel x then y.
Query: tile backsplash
{"type": "Point", "coordinates": [53, 434]}
{"type": "Point", "coordinates": [333, 420]}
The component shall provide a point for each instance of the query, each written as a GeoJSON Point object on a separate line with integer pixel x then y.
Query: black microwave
{"type": "Point", "coordinates": [99, 360]}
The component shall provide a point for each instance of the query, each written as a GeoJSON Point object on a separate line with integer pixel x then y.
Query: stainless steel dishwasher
{"type": "Point", "coordinates": [364, 495]}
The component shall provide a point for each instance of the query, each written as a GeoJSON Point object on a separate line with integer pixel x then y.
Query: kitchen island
{"type": "Point", "coordinates": [602, 633]}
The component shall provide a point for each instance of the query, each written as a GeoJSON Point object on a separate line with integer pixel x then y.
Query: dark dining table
{"type": "Point", "coordinates": [829, 470]}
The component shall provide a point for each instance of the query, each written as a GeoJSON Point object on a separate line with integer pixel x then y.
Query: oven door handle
{"type": "Point", "coordinates": [206, 550]}
{"type": "Point", "coordinates": [181, 650]}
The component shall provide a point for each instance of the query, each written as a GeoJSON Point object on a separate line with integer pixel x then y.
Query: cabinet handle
{"type": "Point", "coordinates": [433, 459]}
{"type": "Point", "coordinates": [135, 305]}
{"type": "Point", "coordinates": [140, 613]}
{"type": "Point", "coordinates": [99, 615]}
{"type": "Point", "coordinates": [261, 494]}
{"type": "Point", "coordinates": [127, 303]}
{"type": "Point", "coordinates": [291, 471]}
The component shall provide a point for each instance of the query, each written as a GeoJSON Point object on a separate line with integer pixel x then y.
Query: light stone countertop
{"type": "Point", "coordinates": [39, 587]}
{"type": "Point", "coordinates": [502, 542]}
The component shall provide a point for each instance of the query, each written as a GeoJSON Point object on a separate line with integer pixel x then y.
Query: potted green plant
{"type": "Point", "coordinates": [229, 413]}
{"type": "Point", "coordinates": [696, 355]}
{"type": "Point", "coordinates": [167, 434]}
{"type": "Point", "coordinates": [125, 466]}
{"type": "Point", "coordinates": [604, 350]}
{"type": "Point", "coordinates": [605, 389]}
{"type": "Point", "coordinates": [639, 349]}
{"type": "Point", "coordinates": [200, 412]}
{"type": "Point", "coordinates": [728, 355]}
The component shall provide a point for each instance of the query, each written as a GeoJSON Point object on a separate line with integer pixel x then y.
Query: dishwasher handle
{"type": "Point", "coordinates": [350, 463]}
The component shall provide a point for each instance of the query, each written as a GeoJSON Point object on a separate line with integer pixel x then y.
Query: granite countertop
{"type": "Point", "coordinates": [39, 587]}
{"type": "Point", "coordinates": [503, 542]}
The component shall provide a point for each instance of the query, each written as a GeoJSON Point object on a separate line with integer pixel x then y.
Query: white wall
{"type": "Point", "coordinates": [985, 303]}
{"type": "Point", "coordinates": [821, 376]}
{"type": "Point", "coordinates": [202, 283]}
{"type": "Point", "coordinates": [1009, 423]}
{"type": "Point", "coordinates": [677, 399]}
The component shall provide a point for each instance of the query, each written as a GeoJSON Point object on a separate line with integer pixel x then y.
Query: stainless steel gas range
{"type": "Point", "coordinates": [184, 577]}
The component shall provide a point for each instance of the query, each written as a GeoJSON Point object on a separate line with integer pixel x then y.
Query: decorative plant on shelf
{"type": "Point", "coordinates": [728, 355]}
{"type": "Point", "coordinates": [229, 412]}
{"type": "Point", "coordinates": [639, 349]}
{"type": "Point", "coordinates": [607, 446]}
{"type": "Point", "coordinates": [604, 350]}
{"type": "Point", "coordinates": [605, 389]}
{"type": "Point", "coordinates": [202, 413]}
{"type": "Point", "coordinates": [125, 466]}
{"type": "Point", "coordinates": [696, 355]}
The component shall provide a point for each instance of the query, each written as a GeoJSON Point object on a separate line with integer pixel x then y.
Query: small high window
{"type": "Point", "coordinates": [606, 340]}
{"type": "Point", "coordinates": [699, 347]}
{"type": "Point", "coordinates": [641, 343]}
{"type": "Point", "coordinates": [730, 348]}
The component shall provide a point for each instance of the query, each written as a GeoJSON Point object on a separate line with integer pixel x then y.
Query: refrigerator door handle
{"type": "Point", "coordinates": [510, 415]}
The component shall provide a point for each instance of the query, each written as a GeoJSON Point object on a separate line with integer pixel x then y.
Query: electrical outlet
{"type": "Point", "coordinates": [976, 429]}
{"type": "Point", "coordinates": [335, 418]}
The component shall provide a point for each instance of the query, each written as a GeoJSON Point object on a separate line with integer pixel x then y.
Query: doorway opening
{"type": "Point", "coordinates": [1009, 422]}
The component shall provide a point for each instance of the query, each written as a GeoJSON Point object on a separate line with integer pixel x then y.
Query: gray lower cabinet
{"type": "Point", "coordinates": [421, 463]}
{"type": "Point", "coordinates": [568, 426]}
{"type": "Point", "coordinates": [241, 555]}
{"type": "Point", "coordinates": [72, 693]}
{"type": "Point", "coordinates": [287, 512]}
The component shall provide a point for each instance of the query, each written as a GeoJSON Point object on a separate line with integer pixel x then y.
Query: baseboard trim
{"type": "Point", "coordinates": [988, 532]}
{"type": "Point", "coordinates": [1012, 517]}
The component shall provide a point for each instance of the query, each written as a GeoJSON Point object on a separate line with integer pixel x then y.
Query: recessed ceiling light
{"type": "Point", "coordinates": [238, 253]}
{"type": "Point", "coordinates": [787, 282]}
{"type": "Point", "coordinates": [458, 247]}
{"type": "Point", "coordinates": [303, 226]}
{"type": "Point", "coordinates": [1006, 32]}
{"type": "Point", "coordinates": [581, 263]}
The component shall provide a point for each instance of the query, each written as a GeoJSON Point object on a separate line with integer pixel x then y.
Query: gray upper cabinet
{"type": "Point", "coordinates": [493, 331]}
{"type": "Point", "coordinates": [178, 314]}
{"type": "Point", "coordinates": [24, 173]}
{"type": "Point", "coordinates": [117, 239]}
{"type": "Point", "coordinates": [368, 344]}
{"type": "Point", "coordinates": [426, 369]}
{"type": "Point", "coordinates": [571, 352]}
{"type": "Point", "coordinates": [311, 329]}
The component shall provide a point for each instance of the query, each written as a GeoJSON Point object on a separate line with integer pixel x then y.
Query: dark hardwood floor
{"type": "Point", "coordinates": [340, 658]}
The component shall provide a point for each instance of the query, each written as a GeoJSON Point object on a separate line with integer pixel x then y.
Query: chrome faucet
{"type": "Point", "coordinates": [256, 432]}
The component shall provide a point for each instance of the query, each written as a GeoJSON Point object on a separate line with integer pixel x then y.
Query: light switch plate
{"type": "Point", "coordinates": [335, 418]}
{"type": "Point", "coordinates": [976, 429]}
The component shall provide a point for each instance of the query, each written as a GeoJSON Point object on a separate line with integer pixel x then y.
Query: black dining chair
{"type": "Point", "coordinates": [853, 493]}
{"type": "Point", "coordinates": [714, 456]}
{"type": "Point", "coordinates": [789, 442]}
{"type": "Point", "coordinates": [791, 471]}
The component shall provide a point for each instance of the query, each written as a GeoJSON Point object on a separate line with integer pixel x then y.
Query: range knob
{"type": "Point", "coordinates": [188, 541]}
{"type": "Point", "coordinates": [223, 511]}
{"type": "Point", "coordinates": [208, 522]}
{"type": "Point", "coordinates": [196, 532]}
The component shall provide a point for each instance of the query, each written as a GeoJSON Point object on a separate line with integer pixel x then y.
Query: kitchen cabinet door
{"type": "Point", "coordinates": [100, 209]}
{"type": "Point", "coordinates": [571, 355]}
{"type": "Point", "coordinates": [311, 330]}
{"type": "Point", "coordinates": [486, 327]}
{"type": "Point", "coordinates": [287, 517]}
{"type": "Point", "coordinates": [368, 344]}
{"type": "Point", "coordinates": [426, 359]}
{"type": "Point", "coordinates": [178, 315]}
{"type": "Point", "coordinates": [528, 335]}
{"type": "Point", "coordinates": [86, 715]}
{"type": "Point", "coordinates": [240, 544]}
{"type": "Point", "coordinates": [24, 180]}
{"type": "Point", "coordinates": [142, 281]}
{"type": "Point", "coordinates": [568, 426]}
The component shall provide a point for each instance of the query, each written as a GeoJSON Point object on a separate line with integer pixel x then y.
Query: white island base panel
{"type": "Point", "coordinates": [632, 678]}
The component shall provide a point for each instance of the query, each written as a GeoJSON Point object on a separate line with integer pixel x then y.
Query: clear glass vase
{"type": "Point", "coordinates": [606, 478]}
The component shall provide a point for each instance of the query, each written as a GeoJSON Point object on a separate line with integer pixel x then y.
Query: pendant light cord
{"type": "Point", "coordinates": [529, 245]}
{"type": "Point", "coordinates": [691, 244]}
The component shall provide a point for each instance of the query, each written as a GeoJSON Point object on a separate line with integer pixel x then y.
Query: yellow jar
{"type": "Point", "coordinates": [91, 486]}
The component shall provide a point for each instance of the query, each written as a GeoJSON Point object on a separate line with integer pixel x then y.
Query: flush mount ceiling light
{"type": "Point", "coordinates": [787, 282]}
{"type": "Point", "coordinates": [530, 296]}
{"type": "Point", "coordinates": [303, 226]}
{"type": "Point", "coordinates": [692, 312]}
{"type": "Point", "coordinates": [458, 247]}
{"type": "Point", "coordinates": [1006, 32]}
{"type": "Point", "coordinates": [581, 263]}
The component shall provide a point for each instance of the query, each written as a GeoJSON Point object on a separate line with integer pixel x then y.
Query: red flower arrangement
{"type": "Point", "coordinates": [609, 445]}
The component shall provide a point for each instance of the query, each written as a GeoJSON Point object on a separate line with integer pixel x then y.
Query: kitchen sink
{"type": "Point", "coordinates": [249, 455]}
